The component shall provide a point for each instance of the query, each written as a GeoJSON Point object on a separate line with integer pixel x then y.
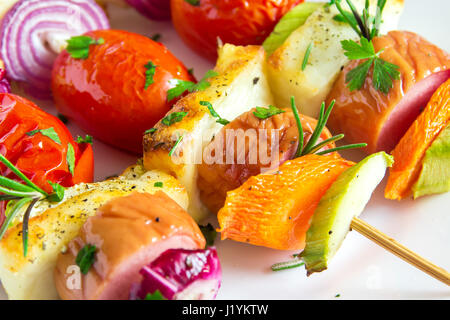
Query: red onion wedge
{"type": "Point", "coordinates": [34, 32]}
{"type": "Point", "coordinates": [152, 9]}
{"type": "Point", "coordinates": [180, 274]}
{"type": "Point", "coordinates": [4, 84]}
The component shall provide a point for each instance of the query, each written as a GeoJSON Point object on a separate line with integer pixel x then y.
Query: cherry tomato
{"type": "Point", "coordinates": [38, 156]}
{"type": "Point", "coordinates": [239, 22]}
{"type": "Point", "coordinates": [105, 94]}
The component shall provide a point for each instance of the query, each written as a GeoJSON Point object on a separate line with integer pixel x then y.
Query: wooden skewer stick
{"type": "Point", "coordinates": [399, 250]}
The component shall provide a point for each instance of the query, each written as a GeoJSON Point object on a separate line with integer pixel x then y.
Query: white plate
{"type": "Point", "coordinates": [361, 269]}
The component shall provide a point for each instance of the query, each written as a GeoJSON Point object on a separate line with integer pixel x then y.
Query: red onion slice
{"type": "Point", "coordinates": [4, 84]}
{"type": "Point", "coordinates": [152, 9]}
{"type": "Point", "coordinates": [180, 274]}
{"type": "Point", "coordinates": [33, 33]}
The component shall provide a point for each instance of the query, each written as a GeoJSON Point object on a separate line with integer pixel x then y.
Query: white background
{"type": "Point", "coordinates": [361, 269]}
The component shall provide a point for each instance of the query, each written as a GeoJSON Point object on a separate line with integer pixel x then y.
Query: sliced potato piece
{"type": "Point", "coordinates": [311, 86]}
{"type": "Point", "coordinates": [240, 86]}
{"type": "Point", "coordinates": [345, 199]}
{"type": "Point", "coordinates": [50, 230]}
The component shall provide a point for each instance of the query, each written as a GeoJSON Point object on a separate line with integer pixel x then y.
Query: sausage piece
{"type": "Point", "coordinates": [128, 233]}
{"type": "Point", "coordinates": [380, 120]}
{"type": "Point", "coordinates": [247, 147]}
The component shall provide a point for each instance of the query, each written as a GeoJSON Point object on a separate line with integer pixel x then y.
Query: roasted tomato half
{"type": "Point", "coordinates": [115, 94]}
{"type": "Point", "coordinates": [37, 143]}
{"type": "Point", "coordinates": [239, 22]}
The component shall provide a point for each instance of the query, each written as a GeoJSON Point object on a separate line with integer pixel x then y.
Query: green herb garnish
{"type": "Point", "coordinates": [156, 37]}
{"type": "Point", "coordinates": [174, 117]}
{"type": "Point", "coordinates": [70, 157]}
{"type": "Point", "coordinates": [177, 143]}
{"type": "Point", "coordinates": [86, 258]}
{"type": "Point", "coordinates": [210, 233]}
{"type": "Point", "coordinates": [294, 263]}
{"type": "Point", "coordinates": [20, 195]}
{"type": "Point", "coordinates": [149, 73]}
{"type": "Point", "coordinates": [367, 27]}
{"type": "Point", "coordinates": [86, 139]}
{"type": "Point", "coordinates": [157, 295]}
{"type": "Point", "coordinates": [158, 184]}
{"type": "Point", "coordinates": [181, 86]}
{"type": "Point", "coordinates": [306, 57]}
{"type": "Point", "coordinates": [214, 113]}
{"type": "Point", "coordinates": [264, 113]}
{"type": "Point", "coordinates": [152, 130]}
{"type": "Point", "coordinates": [312, 146]}
{"type": "Point", "coordinates": [78, 47]}
{"type": "Point", "coordinates": [383, 72]}
{"type": "Point", "coordinates": [195, 3]}
{"type": "Point", "coordinates": [50, 133]}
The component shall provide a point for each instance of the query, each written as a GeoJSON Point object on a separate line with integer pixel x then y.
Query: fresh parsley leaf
{"type": "Point", "coordinates": [214, 113]}
{"type": "Point", "coordinates": [70, 157]}
{"type": "Point", "coordinates": [383, 72]}
{"type": "Point", "coordinates": [210, 233]}
{"type": "Point", "coordinates": [173, 117]}
{"type": "Point", "coordinates": [357, 76]}
{"type": "Point", "coordinates": [152, 130]}
{"type": "Point", "coordinates": [158, 184]}
{"type": "Point", "coordinates": [195, 3]}
{"type": "Point", "coordinates": [86, 258]}
{"type": "Point", "coordinates": [264, 113]}
{"type": "Point", "coordinates": [157, 295]}
{"type": "Point", "coordinates": [355, 51]}
{"type": "Point", "coordinates": [78, 47]}
{"type": "Point", "coordinates": [50, 133]}
{"type": "Point", "coordinates": [306, 57]}
{"type": "Point", "coordinates": [58, 192]}
{"type": "Point", "coordinates": [86, 139]}
{"type": "Point", "coordinates": [149, 73]}
{"type": "Point", "coordinates": [181, 86]}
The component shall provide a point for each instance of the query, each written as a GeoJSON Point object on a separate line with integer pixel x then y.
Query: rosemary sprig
{"type": "Point", "coordinates": [22, 195]}
{"type": "Point", "coordinates": [312, 147]}
{"type": "Point", "coordinates": [294, 263]}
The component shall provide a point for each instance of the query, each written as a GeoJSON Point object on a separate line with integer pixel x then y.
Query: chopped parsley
{"type": "Point", "coordinates": [86, 139]}
{"type": "Point", "coordinates": [86, 258]}
{"type": "Point", "coordinates": [152, 130]}
{"type": "Point", "coordinates": [149, 73]}
{"type": "Point", "coordinates": [58, 192]}
{"type": "Point", "coordinates": [181, 86]}
{"type": "Point", "coordinates": [157, 295]}
{"type": "Point", "coordinates": [383, 72]}
{"type": "Point", "coordinates": [70, 157]}
{"type": "Point", "coordinates": [214, 113]}
{"type": "Point", "coordinates": [156, 37]}
{"type": "Point", "coordinates": [158, 184]}
{"type": "Point", "coordinates": [264, 113]}
{"type": "Point", "coordinates": [50, 133]}
{"type": "Point", "coordinates": [195, 3]}
{"type": "Point", "coordinates": [78, 47]}
{"type": "Point", "coordinates": [173, 117]}
{"type": "Point", "coordinates": [210, 233]}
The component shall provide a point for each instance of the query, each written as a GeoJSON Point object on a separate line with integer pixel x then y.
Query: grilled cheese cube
{"type": "Point", "coordinates": [50, 230]}
{"type": "Point", "coordinates": [240, 86]}
{"type": "Point", "coordinates": [311, 86]}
